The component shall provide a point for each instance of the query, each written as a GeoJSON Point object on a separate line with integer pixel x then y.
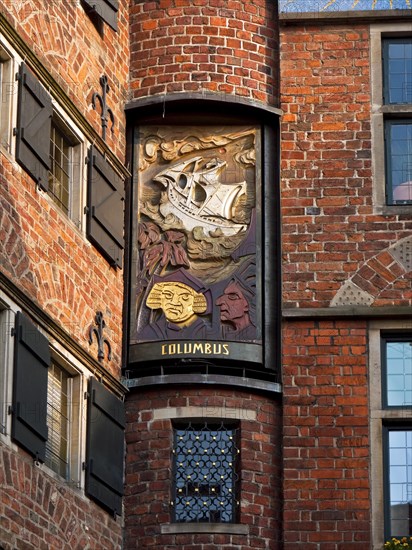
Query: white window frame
{"type": "Point", "coordinates": [7, 93]}
{"type": "Point", "coordinates": [378, 415]}
{"type": "Point", "coordinates": [80, 376]}
{"type": "Point", "coordinates": [8, 121]}
{"type": "Point", "coordinates": [378, 109]}
{"type": "Point", "coordinates": [78, 183]}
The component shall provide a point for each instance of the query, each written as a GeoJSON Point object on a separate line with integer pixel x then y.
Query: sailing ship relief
{"type": "Point", "coordinates": [197, 197]}
{"type": "Point", "coordinates": [195, 253]}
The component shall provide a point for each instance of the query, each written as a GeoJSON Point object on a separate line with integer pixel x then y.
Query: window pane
{"type": "Point", "coordinates": [400, 482]}
{"type": "Point", "coordinates": [205, 476]}
{"type": "Point", "coordinates": [59, 177]}
{"type": "Point", "coordinates": [399, 161]}
{"type": "Point", "coordinates": [58, 421]}
{"type": "Point", "coordinates": [397, 67]}
{"type": "Point", "coordinates": [399, 373]}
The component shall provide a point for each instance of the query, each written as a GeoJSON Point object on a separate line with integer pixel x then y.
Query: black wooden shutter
{"type": "Point", "coordinates": [29, 409]}
{"type": "Point", "coordinates": [106, 10]}
{"type": "Point", "coordinates": [105, 447]}
{"type": "Point", "coordinates": [105, 208]}
{"type": "Point", "coordinates": [34, 115]}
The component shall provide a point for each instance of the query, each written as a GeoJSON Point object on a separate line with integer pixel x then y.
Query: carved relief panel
{"type": "Point", "coordinates": [195, 241]}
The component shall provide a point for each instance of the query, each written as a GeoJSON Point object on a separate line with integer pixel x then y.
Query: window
{"type": "Point", "coordinates": [205, 465]}
{"type": "Point", "coordinates": [65, 175]}
{"type": "Point", "coordinates": [391, 117]}
{"type": "Point", "coordinates": [397, 392]}
{"type": "Point", "coordinates": [58, 420]}
{"type": "Point", "coordinates": [52, 420]}
{"type": "Point", "coordinates": [390, 394]}
{"type": "Point", "coordinates": [397, 90]}
{"type": "Point", "coordinates": [6, 95]}
{"type": "Point", "coordinates": [398, 470]}
{"type": "Point", "coordinates": [397, 365]}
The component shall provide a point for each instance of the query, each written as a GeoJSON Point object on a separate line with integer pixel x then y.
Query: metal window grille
{"type": "Point", "coordinates": [59, 176]}
{"type": "Point", "coordinates": [205, 466]}
{"type": "Point", "coordinates": [58, 420]}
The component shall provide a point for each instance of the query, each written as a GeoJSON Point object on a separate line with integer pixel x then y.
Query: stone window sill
{"type": "Point", "coordinates": [212, 528]}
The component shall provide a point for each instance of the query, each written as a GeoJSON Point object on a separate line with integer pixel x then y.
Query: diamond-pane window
{"type": "Point", "coordinates": [205, 459]}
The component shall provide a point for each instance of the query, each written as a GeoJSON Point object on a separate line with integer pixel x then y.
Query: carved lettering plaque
{"type": "Point", "coordinates": [195, 241]}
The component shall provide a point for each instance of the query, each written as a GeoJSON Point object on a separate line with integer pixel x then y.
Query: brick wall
{"type": "Point", "coordinates": [71, 48]}
{"type": "Point", "coordinates": [148, 468]}
{"type": "Point", "coordinates": [38, 514]}
{"type": "Point", "coordinates": [330, 229]}
{"type": "Point", "coordinates": [44, 254]}
{"type": "Point", "coordinates": [326, 436]}
{"type": "Point", "coordinates": [205, 46]}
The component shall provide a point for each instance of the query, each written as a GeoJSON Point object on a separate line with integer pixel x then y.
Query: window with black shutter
{"type": "Point", "coordinates": [34, 115]}
{"type": "Point", "coordinates": [105, 208]}
{"type": "Point", "coordinates": [29, 408]}
{"type": "Point", "coordinates": [106, 10]}
{"type": "Point", "coordinates": [105, 447]}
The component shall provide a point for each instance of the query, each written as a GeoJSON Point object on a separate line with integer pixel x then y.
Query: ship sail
{"type": "Point", "coordinates": [196, 195]}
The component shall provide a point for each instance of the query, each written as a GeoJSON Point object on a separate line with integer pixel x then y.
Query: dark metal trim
{"type": "Point", "coordinates": [52, 86]}
{"type": "Point", "coordinates": [271, 253]}
{"type": "Point", "coordinates": [206, 109]}
{"type": "Point", "coordinates": [56, 331]}
{"type": "Point", "coordinates": [343, 17]}
{"type": "Point", "coordinates": [141, 353]}
{"type": "Point", "coordinates": [101, 340]}
{"type": "Point", "coordinates": [160, 104]}
{"type": "Point", "coordinates": [107, 113]}
{"type": "Point", "coordinates": [212, 379]}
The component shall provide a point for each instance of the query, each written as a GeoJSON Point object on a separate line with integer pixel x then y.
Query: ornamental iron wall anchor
{"type": "Point", "coordinates": [98, 331]}
{"type": "Point", "coordinates": [106, 111]}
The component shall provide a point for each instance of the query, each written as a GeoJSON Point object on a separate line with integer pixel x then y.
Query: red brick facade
{"type": "Point", "coordinates": [38, 513]}
{"type": "Point", "coordinates": [306, 472]}
{"type": "Point", "coordinates": [181, 46]}
{"type": "Point", "coordinates": [54, 274]}
{"type": "Point", "coordinates": [149, 466]}
{"type": "Point", "coordinates": [326, 455]}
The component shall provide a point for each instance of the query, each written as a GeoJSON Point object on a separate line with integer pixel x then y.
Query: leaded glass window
{"type": "Point", "coordinates": [397, 353]}
{"type": "Point", "coordinates": [399, 486]}
{"type": "Point", "coordinates": [205, 465]}
{"type": "Point", "coordinates": [60, 177]}
{"type": "Point", "coordinates": [58, 420]}
{"type": "Point", "coordinates": [397, 91]}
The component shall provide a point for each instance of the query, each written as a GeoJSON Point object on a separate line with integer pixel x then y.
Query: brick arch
{"type": "Point", "coordinates": [14, 252]}
{"type": "Point", "coordinates": [384, 280]}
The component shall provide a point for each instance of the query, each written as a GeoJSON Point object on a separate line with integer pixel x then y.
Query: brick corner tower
{"type": "Point", "coordinates": [203, 465]}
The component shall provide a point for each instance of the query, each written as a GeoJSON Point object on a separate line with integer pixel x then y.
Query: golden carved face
{"type": "Point", "coordinates": [179, 302]}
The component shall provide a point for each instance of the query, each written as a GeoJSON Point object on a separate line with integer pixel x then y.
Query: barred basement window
{"type": "Point", "coordinates": [58, 420]}
{"type": "Point", "coordinates": [205, 472]}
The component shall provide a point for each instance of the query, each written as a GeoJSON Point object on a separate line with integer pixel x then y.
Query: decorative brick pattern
{"type": "Point", "coordinates": [148, 469]}
{"type": "Point", "coordinates": [329, 228]}
{"type": "Point", "coordinates": [71, 48]}
{"type": "Point", "coordinates": [38, 514]}
{"type": "Point", "coordinates": [326, 436]}
{"type": "Point", "coordinates": [44, 253]}
{"type": "Point", "coordinates": [204, 46]}
{"type": "Point", "coordinates": [384, 280]}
